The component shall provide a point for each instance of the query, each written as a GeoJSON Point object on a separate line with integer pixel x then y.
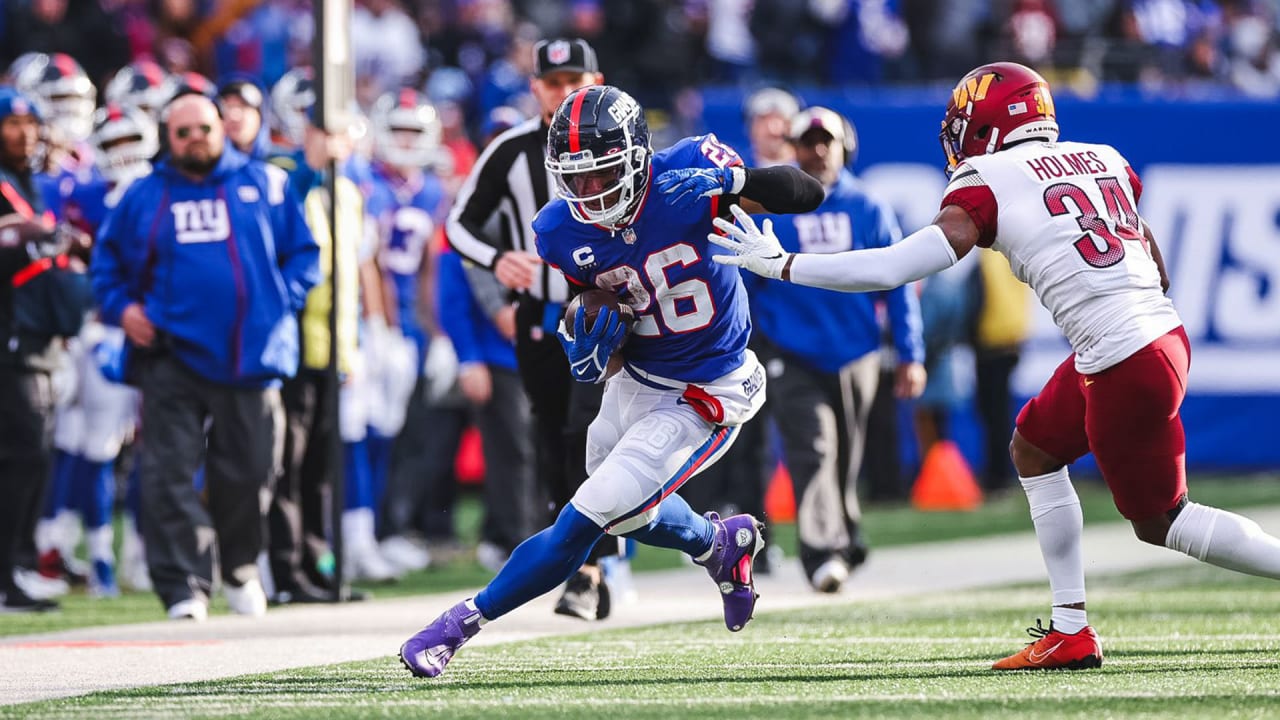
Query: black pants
{"type": "Point", "coordinates": [422, 489]}
{"type": "Point", "coordinates": [241, 458]}
{"type": "Point", "coordinates": [994, 368]}
{"type": "Point", "coordinates": [822, 417]}
{"type": "Point", "coordinates": [422, 485]}
{"type": "Point", "coordinates": [511, 494]}
{"type": "Point", "coordinates": [562, 408]}
{"type": "Point", "coordinates": [296, 518]}
{"type": "Point", "coordinates": [26, 438]}
{"type": "Point", "coordinates": [882, 479]}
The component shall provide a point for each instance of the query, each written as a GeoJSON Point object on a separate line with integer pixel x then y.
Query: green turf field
{"type": "Point", "coordinates": [1197, 642]}
{"type": "Point", "coordinates": [884, 525]}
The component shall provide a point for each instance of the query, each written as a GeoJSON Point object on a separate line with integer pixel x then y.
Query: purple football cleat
{"type": "Point", "coordinates": [426, 653]}
{"type": "Point", "coordinates": [737, 541]}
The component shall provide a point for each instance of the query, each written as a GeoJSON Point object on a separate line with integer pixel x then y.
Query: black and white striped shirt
{"type": "Point", "coordinates": [509, 179]}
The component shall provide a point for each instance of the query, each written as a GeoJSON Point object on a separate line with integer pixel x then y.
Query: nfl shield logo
{"type": "Point", "coordinates": [558, 52]}
{"type": "Point", "coordinates": [20, 107]}
{"type": "Point", "coordinates": [629, 236]}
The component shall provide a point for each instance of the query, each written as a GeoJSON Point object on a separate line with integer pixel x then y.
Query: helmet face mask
{"type": "Point", "coordinates": [126, 139]}
{"type": "Point", "coordinates": [993, 106]}
{"type": "Point", "coordinates": [292, 98]}
{"type": "Point", "coordinates": [598, 151]}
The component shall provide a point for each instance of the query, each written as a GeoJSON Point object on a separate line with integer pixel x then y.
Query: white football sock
{"type": "Point", "coordinates": [100, 542]}
{"type": "Point", "coordinates": [1069, 620]}
{"type": "Point", "coordinates": [471, 605]}
{"type": "Point", "coordinates": [1059, 523]}
{"type": "Point", "coordinates": [1224, 539]}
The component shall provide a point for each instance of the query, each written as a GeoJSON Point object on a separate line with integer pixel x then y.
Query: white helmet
{"type": "Point", "coordinates": [406, 129]}
{"type": "Point", "coordinates": [66, 93]}
{"type": "Point", "coordinates": [292, 98]}
{"type": "Point", "coordinates": [142, 84]}
{"type": "Point", "coordinates": [126, 139]}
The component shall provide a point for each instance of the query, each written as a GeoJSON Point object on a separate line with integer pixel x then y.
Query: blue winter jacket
{"type": "Point", "coordinates": [475, 337]}
{"type": "Point", "coordinates": [826, 329]}
{"type": "Point", "coordinates": [221, 266]}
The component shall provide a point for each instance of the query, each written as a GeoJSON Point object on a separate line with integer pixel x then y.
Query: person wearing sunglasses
{"type": "Point", "coordinates": [205, 263]}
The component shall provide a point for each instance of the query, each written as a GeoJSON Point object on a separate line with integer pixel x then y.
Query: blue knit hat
{"type": "Point", "coordinates": [13, 102]}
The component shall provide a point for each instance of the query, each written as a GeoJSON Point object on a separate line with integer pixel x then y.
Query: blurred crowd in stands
{"type": "Point", "coordinates": [475, 53]}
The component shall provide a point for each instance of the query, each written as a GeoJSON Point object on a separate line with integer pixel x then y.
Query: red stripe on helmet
{"type": "Point", "coordinates": [65, 64]}
{"type": "Point", "coordinates": [575, 114]}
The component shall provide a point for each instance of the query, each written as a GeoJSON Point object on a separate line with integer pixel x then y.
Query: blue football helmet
{"type": "Point", "coordinates": [599, 152]}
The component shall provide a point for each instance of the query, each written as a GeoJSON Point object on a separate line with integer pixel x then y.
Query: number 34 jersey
{"type": "Point", "coordinates": [692, 318]}
{"type": "Point", "coordinates": [1064, 215]}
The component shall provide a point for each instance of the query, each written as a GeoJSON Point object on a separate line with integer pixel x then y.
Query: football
{"type": "Point", "coordinates": [593, 300]}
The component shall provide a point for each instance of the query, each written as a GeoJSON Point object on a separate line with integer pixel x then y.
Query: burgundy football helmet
{"type": "Point", "coordinates": [993, 106]}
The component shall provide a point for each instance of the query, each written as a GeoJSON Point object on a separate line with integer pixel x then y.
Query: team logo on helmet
{"type": "Point", "coordinates": [598, 151]}
{"type": "Point", "coordinates": [994, 106]}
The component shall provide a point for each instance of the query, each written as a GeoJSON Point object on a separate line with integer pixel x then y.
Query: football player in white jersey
{"type": "Point", "coordinates": [1064, 215]}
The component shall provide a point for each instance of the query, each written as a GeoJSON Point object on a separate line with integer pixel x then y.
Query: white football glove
{"type": "Point", "coordinates": [755, 249]}
{"type": "Point", "coordinates": [440, 368]}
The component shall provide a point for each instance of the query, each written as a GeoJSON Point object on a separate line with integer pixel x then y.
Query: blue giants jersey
{"type": "Point", "coordinates": [407, 213]}
{"type": "Point", "coordinates": [692, 317]}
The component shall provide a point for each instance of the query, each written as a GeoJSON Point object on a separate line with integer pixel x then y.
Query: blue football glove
{"type": "Point", "coordinates": [686, 185]}
{"type": "Point", "coordinates": [589, 350]}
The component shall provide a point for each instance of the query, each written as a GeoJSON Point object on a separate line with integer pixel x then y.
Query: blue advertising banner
{"type": "Point", "coordinates": [1211, 175]}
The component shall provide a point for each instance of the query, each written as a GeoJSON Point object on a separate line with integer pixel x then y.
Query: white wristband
{"type": "Point", "coordinates": [739, 179]}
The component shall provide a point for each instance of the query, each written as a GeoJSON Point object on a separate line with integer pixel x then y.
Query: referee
{"type": "Point", "coordinates": [509, 180]}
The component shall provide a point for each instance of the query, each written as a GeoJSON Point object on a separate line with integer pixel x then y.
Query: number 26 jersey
{"type": "Point", "coordinates": [1065, 216]}
{"type": "Point", "coordinates": [692, 317]}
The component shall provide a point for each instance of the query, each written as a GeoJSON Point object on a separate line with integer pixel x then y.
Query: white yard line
{"type": "Point", "coordinates": [74, 662]}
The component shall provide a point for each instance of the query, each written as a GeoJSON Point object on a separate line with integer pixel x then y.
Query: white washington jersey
{"type": "Point", "coordinates": [1064, 215]}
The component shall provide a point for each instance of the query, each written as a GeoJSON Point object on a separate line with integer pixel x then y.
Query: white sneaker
{"type": "Point", "coordinates": [830, 576]}
{"type": "Point", "coordinates": [366, 564]}
{"type": "Point", "coordinates": [39, 587]}
{"type": "Point", "coordinates": [404, 554]}
{"type": "Point", "coordinates": [490, 556]}
{"type": "Point", "coordinates": [248, 599]}
{"type": "Point", "coordinates": [189, 609]}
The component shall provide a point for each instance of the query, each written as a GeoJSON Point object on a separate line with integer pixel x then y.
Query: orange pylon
{"type": "Point", "coordinates": [780, 498]}
{"type": "Point", "coordinates": [945, 481]}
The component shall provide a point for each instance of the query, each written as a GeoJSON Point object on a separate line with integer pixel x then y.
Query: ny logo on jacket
{"type": "Point", "coordinates": [201, 221]}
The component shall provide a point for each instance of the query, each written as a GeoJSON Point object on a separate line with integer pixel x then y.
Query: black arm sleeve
{"type": "Point", "coordinates": [783, 189]}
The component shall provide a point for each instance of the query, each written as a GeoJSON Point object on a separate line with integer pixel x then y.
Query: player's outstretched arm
{"type": "Point", "coordinates": [781, 189]}
{"type": "Point", "coordinates": [922, 253]}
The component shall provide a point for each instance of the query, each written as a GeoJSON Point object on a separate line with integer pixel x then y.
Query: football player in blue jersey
{"type": "Point", "coordinates": [405, 200]}
{"type": "Point", "coordinates": [91, 428]}
{"type": "Point", "coordinates": [634, 223]}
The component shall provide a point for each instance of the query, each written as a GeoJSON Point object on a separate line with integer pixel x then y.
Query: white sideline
{"type": "Point", "coordinates": [39, 667]}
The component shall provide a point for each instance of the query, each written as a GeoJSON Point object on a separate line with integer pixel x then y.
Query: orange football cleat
{"type": "Point", "coordinates": [1055, 650]}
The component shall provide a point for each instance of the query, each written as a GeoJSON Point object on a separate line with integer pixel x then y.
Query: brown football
{"type": "Point", "coordinates": [593, 300]}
